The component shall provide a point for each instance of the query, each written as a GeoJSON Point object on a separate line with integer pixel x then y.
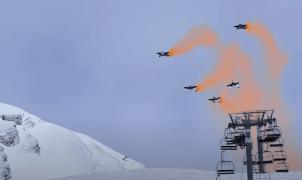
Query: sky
{"type": "Point", "coordinates": [91, 66]}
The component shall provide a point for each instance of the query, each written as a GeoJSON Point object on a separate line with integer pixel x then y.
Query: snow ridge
{"type": "Point", "coordinates": [35, 149]}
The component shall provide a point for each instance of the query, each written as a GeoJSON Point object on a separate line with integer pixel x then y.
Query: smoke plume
{"type": "Point", "coordinates": [198, 36]}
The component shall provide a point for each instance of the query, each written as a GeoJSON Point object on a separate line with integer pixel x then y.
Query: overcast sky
{"type": "Point", "coordinates": [90, 66]}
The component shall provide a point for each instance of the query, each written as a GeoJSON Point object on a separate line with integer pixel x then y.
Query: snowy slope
{"type": "Point", "coordinates": [39, 150]}
{"type": "Point", "coordinates": [171, 174]}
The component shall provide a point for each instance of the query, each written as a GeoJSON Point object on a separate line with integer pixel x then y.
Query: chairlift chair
{"type": "Point", "coordinates": [224, 145]}
{"type": "Point", "coordinates": [229, 133]}
{"type": "Point", "coordinates": [235, 136]}
{"type": "Point", "coordinates": [274, 134]}
{"type": "Point", "coordinates": [225, 168]}
{"type": "Point", "coordinates": [268, 135]}
{"type": "Point", "coordinates": [277, 144]}
{"type": "Point", "coordinates": [281, 167]}
{"type": "Point", "coordinates": [267, 157]}
{"type": "Point", "coordinates": [280, 155]}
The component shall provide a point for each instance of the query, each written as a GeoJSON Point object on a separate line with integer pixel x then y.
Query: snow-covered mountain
{"type": "Point", "coordinates": [32, 149]}
{"type": "Point", "coordinates": [173, 174]}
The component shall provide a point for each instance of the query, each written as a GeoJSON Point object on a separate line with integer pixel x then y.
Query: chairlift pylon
{"type": "Point", "coordinates": [269, 144]}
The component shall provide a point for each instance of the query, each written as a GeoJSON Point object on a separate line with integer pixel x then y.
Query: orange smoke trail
{"type": "Point", "coordinates": [275, 62]}
{"type": "Point", "coordinates": [275, 58]}
{"type": "Point", "coordinates": [223, 72]}
{"type": "Point", "coordinates": [234, 65]}
{"type": "Point", "coordinates": [250, 95]}
{"type": "Point", "coordinates": [200, 35]}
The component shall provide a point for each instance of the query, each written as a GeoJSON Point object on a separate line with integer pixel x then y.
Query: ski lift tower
{"type": "Point", "coordinates": [239, 133]}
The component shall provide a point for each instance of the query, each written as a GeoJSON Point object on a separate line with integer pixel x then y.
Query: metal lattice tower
{"type": "Point", "coordinates": [239, 134]}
